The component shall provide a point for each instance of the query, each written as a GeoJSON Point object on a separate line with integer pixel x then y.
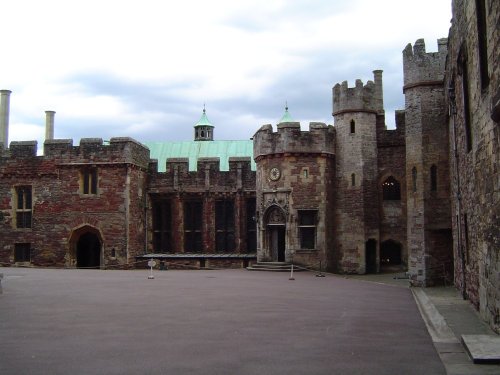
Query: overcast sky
{"type": "Point", "coordinates": [145, 68]}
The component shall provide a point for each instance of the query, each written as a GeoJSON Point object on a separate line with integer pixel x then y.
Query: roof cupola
{"type": "Point", "coordinates": [204, 130]}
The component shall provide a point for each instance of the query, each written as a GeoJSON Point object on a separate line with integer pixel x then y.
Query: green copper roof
{"type": "Point", "coordinates": [204, 120]}
{"type": "Point", "coordinates": [195, 150]}
{"type": "Point", "coordinates": [286, 117]}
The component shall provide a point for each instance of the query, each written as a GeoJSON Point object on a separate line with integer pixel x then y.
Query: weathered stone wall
{"type": "Point", "coordinates": [475, 180]}
{"type": "Point", "coordinates": [429, 221]}
{"type": "Point", "coordinates": [60, 212]}
{"type": "Point", "coordinates": [208, 184]}
{"type": "Point", "coordinates": [392, 162]}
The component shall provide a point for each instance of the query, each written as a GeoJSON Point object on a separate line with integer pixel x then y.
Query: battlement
{"type": "Point", "coordinates": [360, 98]}
{"type": "Point", "coordinates": [290, 139]}
{"type": "Point", "coordinates": [423, 68]}
{"type": "Point", "coordinates": [90, 150]}
{"type": "Point", "coordinates": [207, 177]}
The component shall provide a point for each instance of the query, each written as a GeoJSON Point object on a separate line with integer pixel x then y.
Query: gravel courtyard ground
{"type": "Point", "coordinates": [208, 322]}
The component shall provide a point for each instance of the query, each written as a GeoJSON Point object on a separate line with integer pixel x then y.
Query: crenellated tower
{"type": "Point", "coordinates": [294, 187]}
{"type": "Point", "coordinates": [356, 111]}
{"type": "Point", "coordinates": [427, 169]}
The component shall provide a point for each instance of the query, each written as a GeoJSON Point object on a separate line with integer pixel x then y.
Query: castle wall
{"type": "Point", "coordinates": [391, 152]}
{"type": "Point", "coordinates": [474, 76]}
{"type": "Point", "coordinates": [61, 212]}
{"type": "Point", "coordinates": [207, 185]}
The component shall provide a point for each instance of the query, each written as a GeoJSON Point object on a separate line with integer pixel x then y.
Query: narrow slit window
{"type": "Point", "coordinates": [414, 178]}
{"type": "Point", "coordinates": [353, 179]}
{"type": "Point", "coordinates": [353, 127]}
{"type": "Point", "coordinates": [89, 181]}
{"type": "Point", "coordinates": [463, 70]}
{"type": "Point", "coordinates": [482, 32]}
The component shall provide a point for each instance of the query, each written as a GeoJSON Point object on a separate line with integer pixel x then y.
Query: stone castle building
{"type": "Point", "coordinates": [350, 198]}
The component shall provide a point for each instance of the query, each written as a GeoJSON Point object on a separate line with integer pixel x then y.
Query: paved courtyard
{"type": "Point", "coordinates": [208, 322]}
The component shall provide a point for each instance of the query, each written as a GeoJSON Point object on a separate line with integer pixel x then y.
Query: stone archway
{"type": "Point", "coordinates": [390, 255]}
{"type": "Point", "coordinates": [86, 247]}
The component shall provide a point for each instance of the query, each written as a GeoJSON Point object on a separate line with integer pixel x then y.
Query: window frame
{"type": "Point", "coordinates": [89, 181]}
{"type": "Point", "coordinates": [225, 226]}
{"type": "Point", "coordinates": [307, 229]}
{"type": "Point", "coordinates": [162, 225]}
{"type": "Point", "coordinates": [23, 206]}
{"type": "Point", "coordinates": [193, 234]}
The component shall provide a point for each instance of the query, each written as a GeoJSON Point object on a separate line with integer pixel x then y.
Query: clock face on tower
{"type": "Point", "coordinates": [274, 174]}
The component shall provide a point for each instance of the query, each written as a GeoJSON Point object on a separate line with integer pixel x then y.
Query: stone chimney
{"type": "Point", "coordinates": [49, 125]}
{"type": "Point", "coordinates": [4, 117]}
{"type": "Point", "coordinates": [379, 93]}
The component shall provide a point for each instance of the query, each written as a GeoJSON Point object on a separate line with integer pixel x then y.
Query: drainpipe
{"type": "Point", "coordinates": [453, 112]}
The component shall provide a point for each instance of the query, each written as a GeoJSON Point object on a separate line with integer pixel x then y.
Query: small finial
{"type": "Point", "coordinates": [286, 105]}
{"type": "Point", "coordinates": [203, 107]}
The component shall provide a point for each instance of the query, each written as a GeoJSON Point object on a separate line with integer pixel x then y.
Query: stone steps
{"type": "Point", "coordinates": [273, 267]}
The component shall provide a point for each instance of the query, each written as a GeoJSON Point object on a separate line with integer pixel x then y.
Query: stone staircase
{"type": "Point", "coordinates": [273, 267]}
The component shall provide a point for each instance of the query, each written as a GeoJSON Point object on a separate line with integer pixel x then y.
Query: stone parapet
{"type": "Point", "coordinates": [290, 139]}
{"type": "Point", "coordinates": [423, 68]}
{"type": "Point", "coordinates": [360, 98]}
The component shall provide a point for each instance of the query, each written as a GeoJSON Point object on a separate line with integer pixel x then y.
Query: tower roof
{"type": "Point", "coordinates": [286, 116]}
{"type": "Point", "coordinates": [204, 121]}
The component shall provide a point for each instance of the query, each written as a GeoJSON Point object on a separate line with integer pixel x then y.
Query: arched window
{"type": "Point", "coordinates": [433, 178]}
{"type": "Point", "coordinates": [202, 134]}
{"type": "Point", "coordinates": [391, 189]}
{"type": "Point", "coordinates": [414, 178]}
{"type": "Point", "coordinates": [353, 179]}
{"type": "Point", "coordinates": [353, 127]}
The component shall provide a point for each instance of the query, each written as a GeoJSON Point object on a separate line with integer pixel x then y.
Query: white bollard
{"type": "Point", "coordinates": [291, 274]}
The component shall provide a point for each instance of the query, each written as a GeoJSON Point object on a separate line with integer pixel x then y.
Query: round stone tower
{"type": "Point", "coordinates": [294, 192]}
{"type": "Point", "coordinates": [356, 111]}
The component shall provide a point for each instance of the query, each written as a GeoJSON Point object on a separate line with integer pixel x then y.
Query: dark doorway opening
{"type": "Point", "coordinates": [88, 251]}
{"type": "Point", "coordinates": [277, 242]}
{"type": "Point", "coordinates": [371, 256]}
{"type": "Point", "coordinates": [390, 255]}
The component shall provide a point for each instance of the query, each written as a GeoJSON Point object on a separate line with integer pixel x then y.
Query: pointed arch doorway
{"type": "Point", "coordinates": [86, 244]}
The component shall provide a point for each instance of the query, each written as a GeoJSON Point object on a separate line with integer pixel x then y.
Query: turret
{"type": "Point", "coordinates": [294, 190]}
{"type": "Point", "coordinates": [427, 176]}
{"type": "Point", "coordinates": [356, 111]}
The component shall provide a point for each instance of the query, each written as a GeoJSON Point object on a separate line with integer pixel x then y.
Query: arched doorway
{"type": "Point", "coordinates": [88, 251]}
{"type": "Point", "coordinates": [390, 255]}
{"type": "Point", "coordinates": [85, 245]}
{"type": "Point", "coordinates": [276, 234]}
